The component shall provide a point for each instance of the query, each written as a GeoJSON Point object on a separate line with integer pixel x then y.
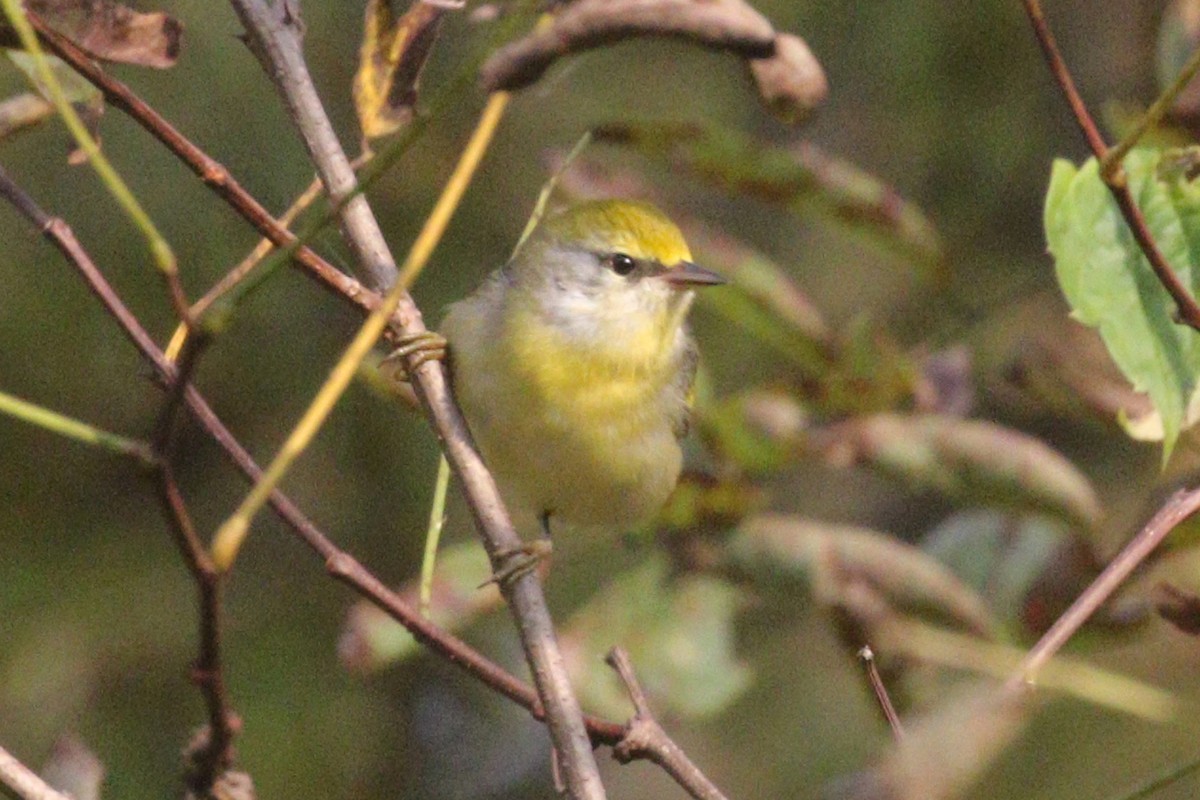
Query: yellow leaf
{"type": "Point", "coordinates": [391, 58]}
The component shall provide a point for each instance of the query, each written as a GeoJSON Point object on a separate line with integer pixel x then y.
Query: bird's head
{"type": "Point", "coordinates": [612, 268]}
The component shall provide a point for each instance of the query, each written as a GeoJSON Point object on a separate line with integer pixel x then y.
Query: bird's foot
{"type": "Point", "coordinates": [412, 351]}
{"type": "Point", "coordinates": [514, 562]}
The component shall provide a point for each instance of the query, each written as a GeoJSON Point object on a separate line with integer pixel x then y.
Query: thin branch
{"type": "Point", "coordinates": [210, 171]}
{"type": "Point", "coordinates": [645, 738]}
{"type": "Point", "coordinates": [341, 565]}
{"type": "Point", "coordinates": [215, 755]}
{"type": "Point", "coordinates": [305, 199]}
{"type": "Point", "coordinates": [274, 37]}
{"type": "Point", "coordinates": [1153, 116]}
{"type": "Point", "coordinates": [867, 656]}
{"type": "Point", "coordinates": [275, 34]}
{"type": "Point", "coordinates": [24, 782]}
{"type": "Point", "coordinates": [163, 439]}
{"type": "Point", "coordinates": [1186, 307]}
{"type": "Point", "coordinates": [208, 675]}
{"type": "Point", "coordinates": [159, 249]}
{"type": "Point", "coordinates": [1179, 507]}
{"type": "Point", "coordinates": [71, 428]}
{"type": "Point", "coordinates": [229, 537]}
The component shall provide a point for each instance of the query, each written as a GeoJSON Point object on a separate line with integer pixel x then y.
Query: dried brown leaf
{"type": "Point", "coordinates": [391, 59]}
{"type": "Point", "coordinates": [791, 82]}
{"type": "Point", "coordinates": [585, 24]}
{"type": "Point", "coordinates": [113, 32]}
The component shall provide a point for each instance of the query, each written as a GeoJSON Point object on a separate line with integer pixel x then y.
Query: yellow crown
{"type": "Point", "coordinates": [634, 228]}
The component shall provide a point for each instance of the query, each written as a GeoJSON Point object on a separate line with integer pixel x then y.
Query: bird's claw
{"type": "Point", "coordinates": [515, 562]}
{"type": "Point", "coordinates": [412, 351]}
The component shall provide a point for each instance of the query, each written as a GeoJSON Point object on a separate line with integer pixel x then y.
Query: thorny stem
{"type": "Point", "coordinates": [1114, 178]}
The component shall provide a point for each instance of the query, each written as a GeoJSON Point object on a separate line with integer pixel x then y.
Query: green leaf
{"type": "Point", "coordinates": [678, 632]}
{"type": "Point", "coordinates": [770, 548]}
{"type": "Point", "coordinates": [1109, 283]}
{"type": "Point", "coordinates": [968, 460]}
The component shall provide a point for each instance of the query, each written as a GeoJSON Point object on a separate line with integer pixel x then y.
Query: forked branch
{"type": "Point", "coordinates": [1114, 178]}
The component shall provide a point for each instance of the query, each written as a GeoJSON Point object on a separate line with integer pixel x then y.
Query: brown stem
{"type": "Point", "coordinates": [189, 357]}
{"type": "Point", "coordinates": [1186, 308]}
{"type": "Point", "coordinates": [1179, 507]}
{"type": "Point", "coordinates": [645, 738]}
{"type": "Point", "coordinates": [265, 246]}
{"type": "Point", "coordinates": [340, 564]}
{"type": "Point", "coordinates": [24, 782]}
{"type": "Point", "coordinates": [210, 171]}
{"type": "Point", "coordinates": [215, 755]}
{"type": "Point", "coordinates": [430, 380]}
{"type": "Point", "coordinates": [275, 34]}
{"type": "Point", "coordinates": [867, 656]}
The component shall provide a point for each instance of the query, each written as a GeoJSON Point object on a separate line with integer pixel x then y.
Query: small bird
{"type": "Point", "coordinates": [574, 367]}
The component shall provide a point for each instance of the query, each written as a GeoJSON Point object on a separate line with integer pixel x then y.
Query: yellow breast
{"type": "Point", "coordinates": [608, 390]}
{"type": "Point", "coordinates": [575, 431]}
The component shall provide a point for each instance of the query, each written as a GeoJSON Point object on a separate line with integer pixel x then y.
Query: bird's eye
{"type": "Point", "coordinates": [621, 263]}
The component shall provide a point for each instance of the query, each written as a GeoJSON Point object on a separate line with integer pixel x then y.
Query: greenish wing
{"type": "Point", "coordinates": [683, 387]}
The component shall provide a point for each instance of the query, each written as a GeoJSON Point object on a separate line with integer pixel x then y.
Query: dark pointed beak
{"type": "Point", "coordinates": [686, 274]}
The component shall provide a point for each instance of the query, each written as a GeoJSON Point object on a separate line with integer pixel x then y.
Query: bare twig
{"type": "Point", "coordinates": [160, 250]}
{"type": "Point", "coordinates": [208, 675]}
{"type": "Point", "coordinates": [305, 199]}
{"type": "Point", "coordinates": [867, 656]}
{"type": "Point", "coordinates": [585, 24]}
{"type": "Point", "coordinates": [23, 781]}
{"type": "Point", "coordinates": [163, 439]}
{"type": "Point", "coordinates": [1186, 307]}
{"type": "Point", "coordinates": [216, 754]}
{"type": "Point", "coordinates": [1179, 507]}
{"type": "Point", "coordinates": [276, 37]}
{"type": "Point", "coordinates": [341, 565]}
{"type": "Point", "coordinates": [212, 172]}
{"type": "Point", "coordinates": [230, 535]}
{"type": "Point", "coordinates": [1111, 163]}
{"type": "Point", "coordinates": [645, 738]}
